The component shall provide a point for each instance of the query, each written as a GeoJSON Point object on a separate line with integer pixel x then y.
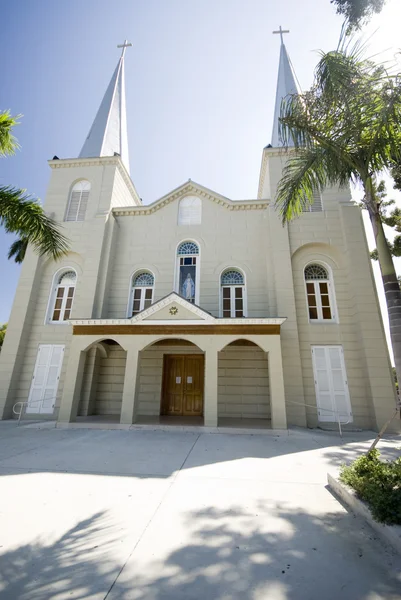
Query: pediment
{"type": "Point", "coordinates": [194, 189]}
{"type": "Point", "coordinates": [173, 308]}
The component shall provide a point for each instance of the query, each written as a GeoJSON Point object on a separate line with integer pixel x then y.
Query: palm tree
{"type": "Point", "coordinates": [23, 215]}
{"type": "Point", "coordinates": [347, 127]}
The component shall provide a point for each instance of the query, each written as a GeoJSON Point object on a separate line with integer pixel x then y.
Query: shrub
{"type": "Point", "coordinates": [378, 483]}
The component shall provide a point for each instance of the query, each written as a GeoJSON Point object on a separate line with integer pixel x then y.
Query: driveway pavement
{"type": "Point", "coordinates": [152, 515]}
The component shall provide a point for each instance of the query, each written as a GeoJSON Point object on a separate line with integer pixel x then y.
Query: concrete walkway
{"type": "Point", "coordinates": [148, 515]}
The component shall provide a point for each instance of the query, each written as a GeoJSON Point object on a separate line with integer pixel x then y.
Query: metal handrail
{"type": "Point", "coordinates": [25, 404]}
{"type": "Point", "coordinates": [20, 412]}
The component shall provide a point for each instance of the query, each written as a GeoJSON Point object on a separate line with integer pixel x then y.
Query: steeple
{"type": "Point", "coordinates": [108, 134]}
{"type": "Point", "coordinates": [286, 84]}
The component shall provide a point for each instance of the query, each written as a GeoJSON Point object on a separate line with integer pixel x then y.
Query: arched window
{"type": "Point", "coordinates": [233, 299]}
{"type": "Point", "coordinates": [142, 292]}
{"type": "Point", "coordinates": [188, 271]}
{"type": "Point", "coordinates": [190, 211]}
{"type": "Point", "coordinates": [62, 296]}
{"type": "Point", "coordinates": [78, 201]}
{"type": "Point", "coordinates": [319, 293]}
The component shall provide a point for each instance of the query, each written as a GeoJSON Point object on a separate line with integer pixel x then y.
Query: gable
{"type": "Point", "coordinates": [191, 188]}
{"type": "Point", "coordinates": [173, 312]}
{"type": "Point", "coordinates": [172, 308]}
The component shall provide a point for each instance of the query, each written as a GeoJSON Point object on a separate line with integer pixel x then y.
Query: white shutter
{"type": "Point", "coordinates": [42, 395]}
{"type": "Point", "coordinates": [82, 206]}
{"type": "Point", "coordinates": [332, 396]}
{"type": "Point", "coordinates": [317, 202]}
{"type": "Point", "coordinates": [73, 206]}
{"type": "Point", "coordinates": [317, 205]}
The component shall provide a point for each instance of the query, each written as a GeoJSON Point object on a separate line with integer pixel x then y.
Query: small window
{"type": "Point", "coordinates": [78, 201]}
{"type": "Point", "coordinates": [142, 292]}
{"type": "Point", "coordinates": [190, 211]}
{"type": "Point", "coordinates": [188, 263]}
{"type": "Point", "coordinates": [232, 294]}
{"type": "Point", "coordinates": [319, 293]}
{"type": "Point", "coordinates": [62, 297]}
{"type": "Point", "coordinates": [317, 205]}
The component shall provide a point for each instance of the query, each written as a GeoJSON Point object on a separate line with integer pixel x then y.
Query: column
{"type": "Point", "coordinates": [72, 383]}
{"type": "Point", "coordinates": [129, 407]}
{"type": "Point", "coordinates": [211, 383]}
{"type": "Point", "coordinates": [277, 395]}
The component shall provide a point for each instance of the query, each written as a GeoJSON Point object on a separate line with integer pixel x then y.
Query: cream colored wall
{"type": "Point", "coordinates": [110, 382]}
{"type": "Point", "coordinates": [91, 245]}
{"type": "Point", "coordinates": [226, 238]}
{"type": "Point", "coordinates": [337, 238]}
{"type": "Point", "coordinates": [243, 383]}
{"type": "Point", "coordinates": [107, 249]}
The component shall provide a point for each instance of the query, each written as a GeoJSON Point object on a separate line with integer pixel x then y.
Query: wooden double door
{"type": "Point", "coordinates": [182, 391]}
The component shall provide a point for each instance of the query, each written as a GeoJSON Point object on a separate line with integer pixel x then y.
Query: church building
{"type": "Point", "coordinates": [195, 309]}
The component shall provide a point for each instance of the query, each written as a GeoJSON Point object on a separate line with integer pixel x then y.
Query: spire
{"type": "Point", "coordinates": [286, 84]}
{"type": "Point", "coordinates": [108, 134]}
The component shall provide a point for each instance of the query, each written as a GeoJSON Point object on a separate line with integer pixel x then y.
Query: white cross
{"type": "Point", "coordinates": [281, 31]}
{"type": "Point", "coordinates": [125, 45]}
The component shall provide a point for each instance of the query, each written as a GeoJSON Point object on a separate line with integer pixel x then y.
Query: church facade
{"type": "Point", "coordinates": [195, 306]}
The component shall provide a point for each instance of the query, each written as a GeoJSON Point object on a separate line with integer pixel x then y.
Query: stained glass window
{"type": "Point", "coordinates": [188, 248]}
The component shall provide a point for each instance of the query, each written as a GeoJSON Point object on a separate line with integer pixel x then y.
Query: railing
{"type": "Point", "coordinates": [25, 404]}
{"type": "Point", "coordinates": [22, 404]}
{"type": "Point", "coordinates": [336, 414]}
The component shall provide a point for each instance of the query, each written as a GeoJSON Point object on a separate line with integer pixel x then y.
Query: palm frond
{"type": "Point", "coordinates": [303, 174]}
{"type": "Point", "coordinates": [8, 143]}
{"type": "Point", "coordinates": [23, 215]}
{"type": "Point", "coordinates": [18, 250]}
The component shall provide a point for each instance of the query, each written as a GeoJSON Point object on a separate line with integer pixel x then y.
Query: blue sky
{"type": "Point", "coordinates": [200, 82]}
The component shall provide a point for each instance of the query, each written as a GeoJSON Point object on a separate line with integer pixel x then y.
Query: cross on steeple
{"type": "Point", "coordinates": [281, 31]}
{"type": "Point", "coordinates": [125, 45]}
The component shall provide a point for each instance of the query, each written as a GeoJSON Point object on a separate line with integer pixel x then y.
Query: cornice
{"type": "Point", "coordinates": [191, 187]}
{"type": "Point", "coordinates": [214, 321]}
{"type": "Point", "coordinates": [65, 163]}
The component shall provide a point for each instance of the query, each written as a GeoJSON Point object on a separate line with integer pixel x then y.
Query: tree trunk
{"type": "Point", "coordinates": [390, 282]}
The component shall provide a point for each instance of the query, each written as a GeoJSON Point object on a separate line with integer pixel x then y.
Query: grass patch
{"type": "Point", "coordinates": [378, 483]}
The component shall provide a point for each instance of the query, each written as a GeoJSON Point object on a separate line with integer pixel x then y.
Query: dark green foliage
{"type": "Point", "coordinates": [357, 12]}
{"type": "Point", "coordinates": [3, 329]}
{"type": "Point", "coordinates": [18, 250]}
{"type": "Point", "coordinates": [395, 172]}
{"type": "Point", "coordinates": [378, 483]}
{"type": "Point", "coordinates": [22, 214]}
{"type": "Point", "coordinates": [392, 219]}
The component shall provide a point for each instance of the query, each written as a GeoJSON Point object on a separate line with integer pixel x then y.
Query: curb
{"type": "Point", "coordinates": [390, 534]}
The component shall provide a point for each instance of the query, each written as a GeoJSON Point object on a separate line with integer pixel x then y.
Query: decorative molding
{"type": "Point", "coordinates": [166, 301]}
{"type": "Point", "coordinates": [193, 188]}
{"type": "Point", "coordinates": [173, 298]}
{"type": "Point", "coordinates": [174, 328]}
{"type": "Point", "coordinates": [65, 163]}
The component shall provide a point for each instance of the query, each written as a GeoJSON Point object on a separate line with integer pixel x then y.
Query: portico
{"type": "Point", "coordinates": [174, 327]}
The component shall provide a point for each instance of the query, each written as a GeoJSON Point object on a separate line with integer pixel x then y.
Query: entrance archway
{"type": "Point", "coordinates": [103, 381]}
{"type": "Point", "coordinates": [243, 384]}
{"type": "Point", "coordinates": [171, 382]}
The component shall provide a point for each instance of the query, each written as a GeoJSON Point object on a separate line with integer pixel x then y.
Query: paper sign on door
{"type": "Point", "coordinates": [189, 379]}
{"type": "Point", "coordinates": [178, 379]}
